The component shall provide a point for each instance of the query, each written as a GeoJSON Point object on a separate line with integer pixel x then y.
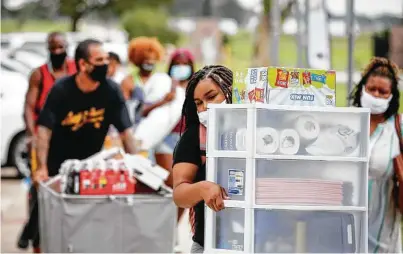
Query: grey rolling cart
{"type": "Point", "coordinates": [297, 178]}
{"type": "Point", "coordinates": [105, 224]}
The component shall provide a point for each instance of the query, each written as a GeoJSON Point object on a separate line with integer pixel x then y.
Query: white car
{"type": "Point", "coordinates": [13, 139]}
{"type": "Point", "coordinates": [13, 65]}
{"type": "Point", "coordinates": [31, 59]}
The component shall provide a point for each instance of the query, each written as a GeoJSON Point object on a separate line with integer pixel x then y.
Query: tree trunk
{"type": "Point", "coordinates": [261, 52]}
{"type": "Point", "coordinates": [262, 39]}
{"type": "Point", "coordinates": [74, 23]}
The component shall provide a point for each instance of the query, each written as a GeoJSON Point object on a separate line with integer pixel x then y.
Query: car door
{"type": "Point", "coordinates": [13, 89]}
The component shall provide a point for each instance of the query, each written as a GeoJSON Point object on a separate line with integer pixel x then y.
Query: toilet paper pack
{"type": "Point", "coordinates": [285, 86]}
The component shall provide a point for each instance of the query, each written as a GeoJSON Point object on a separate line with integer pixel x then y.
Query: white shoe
{"type": "Point", "coordinates": [177, 249]}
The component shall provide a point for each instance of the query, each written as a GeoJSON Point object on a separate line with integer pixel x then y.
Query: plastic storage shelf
{"type": "Point", "coordinates": [297, 178]}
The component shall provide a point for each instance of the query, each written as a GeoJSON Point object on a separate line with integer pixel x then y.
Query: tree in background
{"type": "Point", "coordinates": [148, 21]}
{"type": "Point", "coordinates": [217, 8]}
{"type": "Point", "coordinates": [261, 48]}
{"type": "Point", "coordinates": [26, 11]}
{"type": "Point", "coordinates": [77, 9]}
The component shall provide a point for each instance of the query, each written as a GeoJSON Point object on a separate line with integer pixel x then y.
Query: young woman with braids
{"type": "Point", "coordinates": [378, 90]}
{"type": "Point", "coordinates": [212, 84]}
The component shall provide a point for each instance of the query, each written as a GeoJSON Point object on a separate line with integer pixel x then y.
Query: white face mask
{"type": "Point", "coordinates": [203, 116]}
{"type": "Point", "coordinates": [376, 105]}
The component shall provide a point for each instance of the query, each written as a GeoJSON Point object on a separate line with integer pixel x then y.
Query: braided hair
{"type": "Point", "coordinates": [221, 75]}
{"type": "Point", "coordinates": [379, 67]}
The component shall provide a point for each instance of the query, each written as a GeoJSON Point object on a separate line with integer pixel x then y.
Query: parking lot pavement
{"type": "Point", "coordinates": [14, 213]}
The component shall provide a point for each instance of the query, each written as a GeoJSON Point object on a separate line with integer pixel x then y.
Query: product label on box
{"type": "Point", "coordinates": [302, 97]}
{"type": "Point", "coordinates": [318, 78]}
{"type": "Point", "coordinates": [294, 78]}
{"type": "Point", "coordinates": [253, 76]}
{"type": "Point", "coordinates": [237, 95]}
{"type": "Point", "coordinates": [235, 182]}
{"type": "Point", "coordinates": [259, 95]}
{"type": "Point", "coordinates": [306, 78]}
{"type": "Point", "coordinates": [282, 78]}
{"type": "Point", "coordinates": [241, 88]}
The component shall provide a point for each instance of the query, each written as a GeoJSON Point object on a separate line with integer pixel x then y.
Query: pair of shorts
{"type": "Point", "coordinates": [167, 146]}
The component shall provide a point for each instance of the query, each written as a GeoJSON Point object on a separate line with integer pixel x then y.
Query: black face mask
{"type": "Point", "coordinates": [57, 60]}
{"type": "Point", "coordinates": [99, 72]}
{"type": "Point", "coordinates": [147, 67]}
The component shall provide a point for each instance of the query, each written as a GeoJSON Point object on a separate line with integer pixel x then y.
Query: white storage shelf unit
{"type": "Point", "coordinates": [296, 176]}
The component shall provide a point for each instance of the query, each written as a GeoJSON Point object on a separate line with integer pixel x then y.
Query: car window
{"type": "Point", "coordinates": [4, 67]}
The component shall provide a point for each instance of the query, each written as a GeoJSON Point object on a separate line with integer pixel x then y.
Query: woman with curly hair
{"type": "Point", "coordinates": [152, 89]}
{"type": "Point", "coordinates": [378, 91]}
{"type": "Point", "coordinates": [147, 90]}
{"type": "Point", "coordinates": [212, 84]}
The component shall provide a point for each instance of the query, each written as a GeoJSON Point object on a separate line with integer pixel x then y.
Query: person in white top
{"type": "Point", "coordinates": [378, 91]}
{"type": "Point", "coordinates": [114, 68]}
{"type": "Point", "coordinates": [145, 88]}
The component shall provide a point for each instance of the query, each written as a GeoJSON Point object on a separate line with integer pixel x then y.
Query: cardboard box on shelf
{"type": "Point", "coordinates": [285, 86]}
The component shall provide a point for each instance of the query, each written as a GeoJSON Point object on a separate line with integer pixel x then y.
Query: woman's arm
{"type": "Point", "coordinates": [188, 194]}
{"type": "Point", "coordinates": [168, 97]}
{"type": "Point", "coordinates": [148, 108]}
{"type": "Point", "coordinates": [127, 87]}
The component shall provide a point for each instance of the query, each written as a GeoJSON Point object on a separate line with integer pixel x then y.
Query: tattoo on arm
{"type": "Point", "coordinates": [42, 146]}
{"type": "Point", "coordinates": [129, 143]}
{"type": "Point", "coordinates": [30, 100]}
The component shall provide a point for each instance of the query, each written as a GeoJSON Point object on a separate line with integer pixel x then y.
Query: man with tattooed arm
{"type": "Point", "coordinates": [78, 112]}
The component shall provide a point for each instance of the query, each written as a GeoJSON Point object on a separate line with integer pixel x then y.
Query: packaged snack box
{"type": "Point", "coordinates": [249, 85]}
{"type": "Point", "coordinates": [285, 86]}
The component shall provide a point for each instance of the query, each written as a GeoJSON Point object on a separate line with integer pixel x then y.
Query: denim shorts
{"type": "Point", "coordinates": [167, 146]}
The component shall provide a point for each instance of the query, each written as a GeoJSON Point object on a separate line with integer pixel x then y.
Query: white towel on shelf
{"type": "Point", "coordinates": [335, 141]}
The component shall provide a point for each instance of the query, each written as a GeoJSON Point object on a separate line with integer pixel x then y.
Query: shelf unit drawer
{"type": "Point", "coordinates": [325, 132]}
{"type": "Point", "coordinates": [326, 183]}
{"type": "Point", "coordinates": [286, 231]}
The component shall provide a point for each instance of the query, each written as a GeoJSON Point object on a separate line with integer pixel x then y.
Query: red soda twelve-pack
{"type": "Point", "coordinates": [99, 177]}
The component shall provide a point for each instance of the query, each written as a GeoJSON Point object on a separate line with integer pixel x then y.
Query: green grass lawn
{"type": "Point", "coordinates": [10, 26]}
{"type": "Point", "coordinates": [242, 46]}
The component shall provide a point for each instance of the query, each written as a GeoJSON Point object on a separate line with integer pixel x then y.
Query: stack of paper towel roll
{"type": "Point", "coordinates": [301, 130]}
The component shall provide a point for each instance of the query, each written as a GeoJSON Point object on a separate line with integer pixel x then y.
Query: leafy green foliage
{"type": "Point", "coordinates": [76, 9]}
{"type": "Point", "coordinates": [148, 21]}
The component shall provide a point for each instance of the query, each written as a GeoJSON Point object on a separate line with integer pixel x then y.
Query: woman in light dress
{"type": "Point", "coordinates": [378, 91]}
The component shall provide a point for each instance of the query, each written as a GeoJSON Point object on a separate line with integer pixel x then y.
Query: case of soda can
{"type": "Point", "coordinates": [96, 177]}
